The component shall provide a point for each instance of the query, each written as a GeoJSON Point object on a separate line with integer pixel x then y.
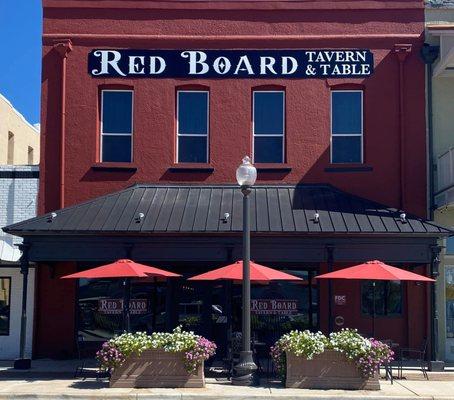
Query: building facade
{"type": "Point", "coordinates": [19, 156]}
{"type": "Point", "coordinates": [329, 103]}
{"type": "Point", "coordinates": [440, 35]}
{"type": "Point", "coordinates": [19, 140]}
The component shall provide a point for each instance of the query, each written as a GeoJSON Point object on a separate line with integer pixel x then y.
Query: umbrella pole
{"type": "Point", "coordinates": [126, 301]}
{"type": "Point", "coordinates": [373, 309]}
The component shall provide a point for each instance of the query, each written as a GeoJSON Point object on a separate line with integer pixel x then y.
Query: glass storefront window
{"type": "Point", "coordinates": [5, 303]}
{"type": "Point", "coordinates": [279, 307]}
{"type": "Point", "coordinates": [449, 277]}
{"type": "Point", "coordinates": [100, 307]}
{"type": "Point", "coordinates": [388, 298]}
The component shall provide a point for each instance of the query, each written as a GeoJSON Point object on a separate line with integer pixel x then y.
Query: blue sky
{"type": "Point", "coordinates": [20, 61]}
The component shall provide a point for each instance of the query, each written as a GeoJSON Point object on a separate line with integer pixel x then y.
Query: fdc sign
{"type": "Point", "coordinates": [231, 63]}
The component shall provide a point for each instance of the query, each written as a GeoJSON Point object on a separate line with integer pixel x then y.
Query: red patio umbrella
{"type": "Point", "coordinates": [234, 272]}
{"type": "Point", "coordinates": [375, 271]}
{"type": "Point", "coordinates": [125, 269]}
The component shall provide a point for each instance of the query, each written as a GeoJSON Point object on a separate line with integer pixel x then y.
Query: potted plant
{"type": "Point", "coordinates": [344, 360]}
{"type": "Point", "coordinates": [158, 360]}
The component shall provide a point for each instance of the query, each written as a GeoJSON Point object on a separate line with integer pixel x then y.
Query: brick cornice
{"type": "Point", "coordinates": [237, 4]}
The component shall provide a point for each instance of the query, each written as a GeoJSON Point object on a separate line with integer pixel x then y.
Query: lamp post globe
{"type": "Point", "coordinates": [244, 370]}
{"type": "Point", "coordinates": [246, 173]}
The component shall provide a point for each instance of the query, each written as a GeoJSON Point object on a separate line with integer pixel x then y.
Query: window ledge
{"type": "Point", "coordinates": [114, 166]}
{"type": "Point", "coordinates": [273, 167]}
{"type": "Point", "coordinates": [349, 168]}
{"type": "Point", "coordinates": [192, 167]}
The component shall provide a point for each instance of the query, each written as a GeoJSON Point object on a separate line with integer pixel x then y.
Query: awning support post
{"type": "Point", "coordinates": [435, 364]}
{"type": "Point", "coordinates": [22, 362]}
{"type": "Point", "coordinates": [330, 250]}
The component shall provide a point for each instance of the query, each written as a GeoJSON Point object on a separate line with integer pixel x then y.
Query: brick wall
{"type": "Point", "coordinates": [18, 196]}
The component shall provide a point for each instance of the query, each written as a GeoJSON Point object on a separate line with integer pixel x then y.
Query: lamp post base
{"type": "Point", "coordinates": [22, 363]}
{"type": "Point", "coordinates": [244, 372]}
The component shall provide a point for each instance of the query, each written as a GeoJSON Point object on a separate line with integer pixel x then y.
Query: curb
{"type": "Point", "coordinates": [208, 396]}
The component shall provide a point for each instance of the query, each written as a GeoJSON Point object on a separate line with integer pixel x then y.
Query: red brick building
{"type": "Point", "coordinates": [327, 97]}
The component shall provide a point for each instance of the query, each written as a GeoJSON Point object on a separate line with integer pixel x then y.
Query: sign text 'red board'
{"type": "Point", "coordinates": [231, 64]}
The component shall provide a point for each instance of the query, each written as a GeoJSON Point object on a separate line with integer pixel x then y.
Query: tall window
{"type": "Point", "coordinates": [347, 126]}
{"type": "Point", "coordinates": [268, 126]}
{"type": "Point", "coordinates": [192, 126]}
{"type": "Point", "coordinates": [388, 298]}
{"type": "Point", "coordinates": [5, 304]}
{"type": "Point", "coordinates": [30, 155]}
{"type": "Point", "coordinates": [116, 125]}
{"type": "Point", "coordinates": [10, 154]}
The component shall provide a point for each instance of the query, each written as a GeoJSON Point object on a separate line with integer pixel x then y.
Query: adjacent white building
{"type": "Point", "coordinates": [18, 198]}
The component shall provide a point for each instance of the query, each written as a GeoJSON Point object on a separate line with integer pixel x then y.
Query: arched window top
{"type": "Point", "coordinates": [344, 84]}
{"type": "Point", "coordinates": [193, 86]}
{"type": "Point", "coordinates": [271, 87]}
{"type": "Point", "coordinates": [116, 86]}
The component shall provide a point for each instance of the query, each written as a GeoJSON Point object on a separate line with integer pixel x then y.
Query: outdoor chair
{"type": "Point", "coordinates": [408, 354]}
{"type": "Point", "coordinates": [81, 371]}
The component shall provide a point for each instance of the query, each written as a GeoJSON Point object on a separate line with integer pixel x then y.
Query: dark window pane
{"type": "Point", "coordinates": [5, 298]}
{"type": "Point", "coordinates": [192, 149]}
{"type": "Point", "coordinates": [346, 149]}
{"type": "Point", "coordinates": [117, 112]}
{"type": "Point", "coordinates": [268, 149]}
{"type": "Point", "coordinates": [268, 113]}
{"type": "Point", "coordinates": [192, 112]}
{"type": "Point", "coordinates": [347, 112]}
{"type": "Point", "coordinates": [388, 298]}
{"type": "Point", "coordinates": [116, 148]}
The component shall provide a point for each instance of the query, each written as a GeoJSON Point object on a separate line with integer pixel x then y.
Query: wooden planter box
{"type": "Point", "coordinates": [156, 369]}
{"type": "Point", "coordinates": [329, 370]}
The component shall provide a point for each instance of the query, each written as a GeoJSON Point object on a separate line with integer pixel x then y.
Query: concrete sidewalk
{"type": "Point", "coordinates": [13, 387]}
{"type": "Point", "coordinates": [52, 380]}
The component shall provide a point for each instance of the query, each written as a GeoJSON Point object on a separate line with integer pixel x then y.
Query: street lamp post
{"type": "Point", "coordinates": [243, 374]}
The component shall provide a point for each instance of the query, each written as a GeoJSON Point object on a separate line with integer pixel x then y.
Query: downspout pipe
{"type": "Point", "coordinates": [402, 51]}
{"type": "Point", "coordinates": [63, 48]}
{"type": "Point", "coordinates": [429, 54]}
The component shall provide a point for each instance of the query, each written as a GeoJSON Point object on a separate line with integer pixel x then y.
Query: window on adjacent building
{"type": "Point", "coordinates": [192, 126]}
{"type": "Point", "coordinates": [268, 126]}
{"type": "Point", "coordinates": [30, 155]}
{"type": "Point", "coordinates": [450, 245]}
{"type": "Point", "coordinates": [10, 153]}
{"type": "Point", "coordinates": [116, 125]}
{"type": "Point", "coordinates": [388, 298]}
{"type": "Point", "coordinates": [347, 126]}
{"type": "Point", "coordinates": [5, 304]}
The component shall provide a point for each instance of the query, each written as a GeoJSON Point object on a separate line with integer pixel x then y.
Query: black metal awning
{"type": "Point", "coordinates": [306, 209]}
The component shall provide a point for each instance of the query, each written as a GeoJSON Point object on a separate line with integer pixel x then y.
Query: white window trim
{"type": "Point", "coordinates": [207, 134]}
{"type": "Point", "coordinates": [116, 134]}
{"type": "Point", "coordinates": [254, 135]}
{"type": "Point", "coordinates": [347, 134]}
